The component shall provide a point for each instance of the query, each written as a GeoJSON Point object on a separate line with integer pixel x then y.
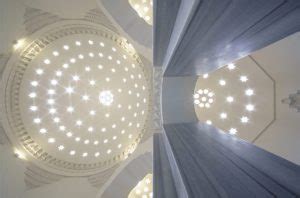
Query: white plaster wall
{"type": "Point", "coordinates": [282, 61]}
{"type": "Point", "coordinates": [11, 174]}
{"type": "Point", "coordinates": [72, 9]}
{"type": "Point", "coordinates": [11, 20]}
{"type": "Point", "coordinates": [177, 99]}
{"type": "Point", "coordinates": [65, 188]}
{"type": "Point", "coordinates": [12, 183]}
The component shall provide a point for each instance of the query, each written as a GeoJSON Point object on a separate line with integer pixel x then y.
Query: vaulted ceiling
{"type": "Point", "coordinates": [77, 94]}
{"type": "Point", "coordinates": [81, 99]}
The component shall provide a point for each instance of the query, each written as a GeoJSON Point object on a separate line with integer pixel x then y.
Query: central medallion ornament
{"type": "Point", "coordinates": [203, 98]}
{"type": "Point", "coordinates": [106, 98]}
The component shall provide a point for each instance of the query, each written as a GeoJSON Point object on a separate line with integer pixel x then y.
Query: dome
{"type": "Point", "coordinates": [77, 99]}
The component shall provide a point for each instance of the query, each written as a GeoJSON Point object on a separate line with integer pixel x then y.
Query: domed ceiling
{"type": "Point", "coordinates": [237, 98]}
{"type": "Point", "coordinates": [76, 99]}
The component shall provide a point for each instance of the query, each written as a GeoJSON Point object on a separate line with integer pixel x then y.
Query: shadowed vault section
{"type": "Point", "coordinates": [218, 32]}
{"type": "Point", "coordinates": [214, 164]}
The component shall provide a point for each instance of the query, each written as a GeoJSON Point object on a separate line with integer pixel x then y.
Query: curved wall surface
{"type": "Point", "coordinates": [177, 99]}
